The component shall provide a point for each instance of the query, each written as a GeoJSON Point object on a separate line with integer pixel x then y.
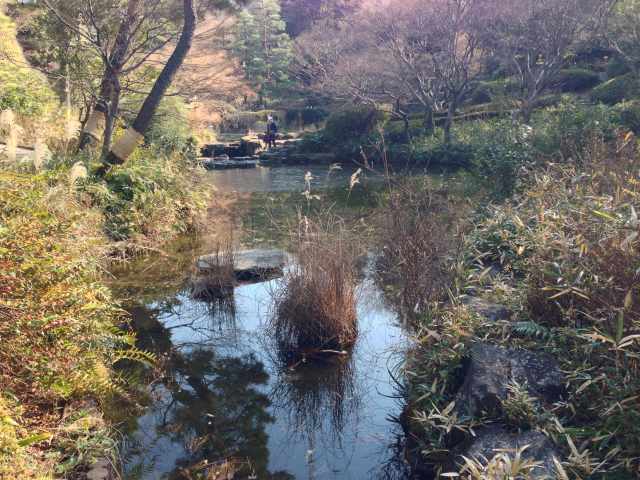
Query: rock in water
{"type": "Point", "coordinates": [250, 265]}
{"type": "Point", "coordinates": [251, 146]}
{"type": "Point", "coordinates": [490, 441]}
{"type": "Point", "coordinates": [492, 368]}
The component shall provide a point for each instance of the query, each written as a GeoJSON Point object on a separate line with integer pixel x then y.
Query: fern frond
{"type": "Point", "coordinates": [532, 329]}
{"type": "Point", "coordinates": [135, 355]}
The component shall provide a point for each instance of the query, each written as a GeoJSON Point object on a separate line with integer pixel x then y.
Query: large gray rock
{"type": "Point", "coordinates": [493, 440]}
{"type": "Point", "coordinates": [492, 368]}
{"type": "Point", "coordinates": [494, 312]}
{"type": "Point", "coordinates": [249, 265]}
{"type": "Point", "coordinates": [251, 145]}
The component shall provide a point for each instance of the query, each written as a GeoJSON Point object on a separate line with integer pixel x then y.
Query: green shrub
{"type": "Point", "coordinates": [500, 149]}
{"type": "Point", "coordinates": [617, 90]}
{"type": "Point", "coordinates": [348, 125]}
{"type": "Point", "coordinates": [394, 131]}
{"type": "Point", "coordinates": [566, 130]}
{"type": "Point", "coordinates": [629, 113]}
{"type": "Point", "coordinates": [486, 92]}
{"type": "Point", "coordinates": [432, 152]}
{"type": "Point", "coordinates": [308, 116]}
{"type": "Point", "coordinates": [170, 131]}
{"type": "Point", "coordinates": [577, 79]}
{"type": "Point", "coordinates": [313, 143]}
{"type": "Point", "coordinates": [151, 199]}
{"type": "Point", "coordinates": [617, 67]}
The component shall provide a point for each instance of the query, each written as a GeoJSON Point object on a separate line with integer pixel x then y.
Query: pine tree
{"type": "Point", "coordinates": [263, 47]}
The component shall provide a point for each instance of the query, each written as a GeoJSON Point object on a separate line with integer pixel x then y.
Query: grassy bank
{"type": "Point", "coordinates": [59, 331]}
{"type": "Point", "coordinates": [561, 252]}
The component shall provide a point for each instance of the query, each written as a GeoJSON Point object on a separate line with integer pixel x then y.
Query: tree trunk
{"type": "Point", "coordinates": [448, 124]}
{"type": "Point", "coordinates": [429, 126]}
{"type": "Point", "coordinates": [112, 114]}
{"type": "Point", "coordinates": [104, 113]}
{"type": "Point", "coordinates": [528, 105]}
{"type": "Point", "coordinates": [407, 133]}
{"type": "Point", "coordinates": [125, 146]}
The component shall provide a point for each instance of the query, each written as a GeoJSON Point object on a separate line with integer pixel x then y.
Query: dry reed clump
{"type": "Point", "coordinates": [419, 242]}
{"type": "Point", "coordinates": [315, 306]}
{"type": "Point", "coordinates": [215, 276]}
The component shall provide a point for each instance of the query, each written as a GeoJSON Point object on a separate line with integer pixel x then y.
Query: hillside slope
{"type": "Point", "coordinates": [22, 89]}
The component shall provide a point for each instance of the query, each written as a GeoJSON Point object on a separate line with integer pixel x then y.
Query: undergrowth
{"type": "Point", "coordinates": [565, 249]}
{"type": "Point", "coordinates": [151, 199]}
{"type": "Point", "coordinates": [58, 328]}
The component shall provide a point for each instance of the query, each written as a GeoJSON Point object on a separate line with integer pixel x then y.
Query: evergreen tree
{"type": "Point", "coordinates": [263, 47]}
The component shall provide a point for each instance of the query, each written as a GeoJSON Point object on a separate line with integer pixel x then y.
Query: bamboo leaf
{"type": "Point", "coordinates": [37, 438]}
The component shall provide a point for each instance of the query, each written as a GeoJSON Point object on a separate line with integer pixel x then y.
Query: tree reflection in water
{"type": "Point", "coordinates": [215, 399]}
{"type": "Point", "coordinates": [209, 407]}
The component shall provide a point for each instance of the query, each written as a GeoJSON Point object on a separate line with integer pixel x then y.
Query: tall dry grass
{"type": "Point", "coordinates": [419, 243]}
{"type": "Point", "coordinates": [215, 282]}
{"type": "Point", "coordinates": [315, 306]}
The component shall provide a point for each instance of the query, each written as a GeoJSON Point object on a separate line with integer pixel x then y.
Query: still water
{"type": "Point", "coordinates": [284, 179]}
{"type": "Point", "coordinates": [222, 395]}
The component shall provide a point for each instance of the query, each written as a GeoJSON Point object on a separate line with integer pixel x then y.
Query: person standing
{"type": "Point", "coordinates": [272, 132]}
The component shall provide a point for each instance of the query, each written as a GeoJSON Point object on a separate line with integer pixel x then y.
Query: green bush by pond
{"type": "Point", "coordinates": [577, 79]}
{"type": "Point", "coordinates": [151, 199]}
{"type": "Point", "coordinates": [617, 90]}
{"type": "Point", "coordinates": [629, 113]}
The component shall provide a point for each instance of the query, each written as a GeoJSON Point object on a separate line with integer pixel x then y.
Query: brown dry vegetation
{"type": "Point", "coordinates": [217, 280]}
{"type": "Point", "coordinates": [315, 307]}
{"type": "Point", "coordinates": [566, 249]}
{"type": "Point", "coordinates": [419, 242]}
{"type": "Point", "coordinates": [58, 331]}
{"type": "Point", "coordinates": [210, 78]}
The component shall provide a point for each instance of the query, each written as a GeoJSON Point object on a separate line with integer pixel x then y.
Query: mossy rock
{"type": "Point", "coordinates": [577, 80]}
{"type": "Point", "coordinates": [617, 90]}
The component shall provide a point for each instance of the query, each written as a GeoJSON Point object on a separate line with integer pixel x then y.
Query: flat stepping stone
{"type": "Point", "coordinates": [249, 265]}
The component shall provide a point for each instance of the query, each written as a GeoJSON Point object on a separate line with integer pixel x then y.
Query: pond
{"type": "Point", "coordinates": [283, 179]}
{"type": "Point", "coordinates": [221, 394]}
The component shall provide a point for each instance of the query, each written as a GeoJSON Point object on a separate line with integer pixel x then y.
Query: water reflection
{"type": "Point", "coordinates": [278, 179]}
{"type": "Point", "coordinates": [221, 395]}
{"type": "Point", "coordinates": [318, 398]}
{"type": "Point", "coordinates": [207, 408]}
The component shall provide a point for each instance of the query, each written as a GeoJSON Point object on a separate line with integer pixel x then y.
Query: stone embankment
{"type": "Point", "coordinates": [251, 151]}
{"type": "Point", "coordinates": [488, 371]}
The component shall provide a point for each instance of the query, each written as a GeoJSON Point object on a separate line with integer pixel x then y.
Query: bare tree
{"type": "Point", "coordinates": [623, 32]}
{"type": "Point", "coordinates": [399, 53]}
{"type": "Point", "coordinates": [534, 38]}
{"type": "Point", "coordinates": [124, 36]}
{"type": "Point", "coordinates": [435, 52]}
